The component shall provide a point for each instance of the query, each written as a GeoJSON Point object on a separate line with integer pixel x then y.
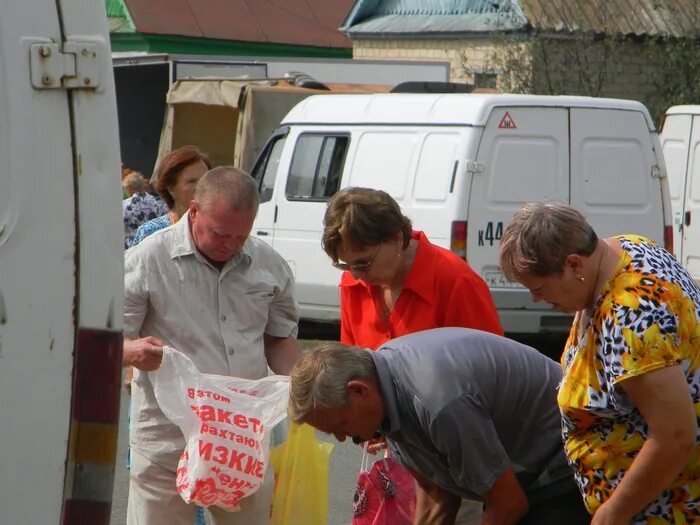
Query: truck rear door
{"type": "Point", "coordinates": [523, 156]}
{"type": "Point", "coordinates": [674, 142]}
{"type": "Point", "coordinates": [614, 178]}
{"type": "Point", "coordinates": [60, 263]}
{"type": "Point", "coordinates": [690, 253]}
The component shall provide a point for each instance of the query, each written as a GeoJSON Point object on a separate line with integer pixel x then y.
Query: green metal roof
{"type": "Point", "coordinates": [118, 17]}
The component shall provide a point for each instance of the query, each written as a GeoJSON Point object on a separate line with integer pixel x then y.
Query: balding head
{"type": "Point", "coordinates": [222, 213]}
{"type": "Point", "coordinates": [228, 185]}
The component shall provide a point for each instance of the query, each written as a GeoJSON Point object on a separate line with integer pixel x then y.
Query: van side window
{"type": "Point", "coordinates": [265, 169]}
{"type": "Point", "coordinates": [317, 165]}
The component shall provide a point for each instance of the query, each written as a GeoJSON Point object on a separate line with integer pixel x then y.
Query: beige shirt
{"type": "Point", "coordinates": [216, 318]}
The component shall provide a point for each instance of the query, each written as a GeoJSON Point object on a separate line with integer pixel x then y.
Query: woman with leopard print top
{"type": "Point", "coordinates": [630, 397]}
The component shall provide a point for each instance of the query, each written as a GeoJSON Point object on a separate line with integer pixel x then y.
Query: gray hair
{"type": "Point", "coordinates": [134, 182]}
{"type": "Point", "coordinates": [230, 185]}
{"type": "Point", "coordinates": [540, 236]}
{"type": "Point", "coordinates": [319, 379]}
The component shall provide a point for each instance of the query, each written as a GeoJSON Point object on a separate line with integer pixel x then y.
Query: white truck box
{"type": "Point", "coordinates": [61, 263]}
{"type": "Point", "coordinates": [459, 165]}
{"type": "Point", "coordinates": [680, 140]}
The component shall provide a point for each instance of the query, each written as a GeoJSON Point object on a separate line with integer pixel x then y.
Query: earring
{"type": "Point", "coordinates": [581, 279]}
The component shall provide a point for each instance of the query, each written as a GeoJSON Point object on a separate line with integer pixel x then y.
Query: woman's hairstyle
{"type": "Point", "coordinates": [540, 236]}
{"type": "Point", "coordinates": [319, 379]}
{"type": "Point", "coordinates": [362, 217]}
{"type": "Point", "coordinates": [172, 165]}
{"type": "Point", "coordinates": [134, 182]}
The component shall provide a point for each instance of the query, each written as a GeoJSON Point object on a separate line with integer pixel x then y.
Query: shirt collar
{"type": "Point", "coordinates": [420, 276]}
{"type": "Point", "coordinates": [392, 421]}
{"type": "Point", "coordinates": [183, 244]}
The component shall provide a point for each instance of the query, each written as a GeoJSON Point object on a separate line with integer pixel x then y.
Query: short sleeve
{"type": "Point", "coordinates": [135, 292]}
{"type": "Point", "coordinates": [637, 325]}
{"type": "Point", "coordinates": [283, 317]}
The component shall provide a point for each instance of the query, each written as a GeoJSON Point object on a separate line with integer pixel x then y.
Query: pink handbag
{"type": "Point", "coordinates": [385, 494]}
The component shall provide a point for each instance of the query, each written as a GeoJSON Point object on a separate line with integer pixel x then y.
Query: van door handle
{"type": "Point", "coordinates": [261, 233]}
{"type": "Point", "coordinates": [686, 221]}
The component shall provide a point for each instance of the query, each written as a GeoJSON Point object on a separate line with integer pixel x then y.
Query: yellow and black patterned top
{"type": "Point", "coordinates": [646, 318]}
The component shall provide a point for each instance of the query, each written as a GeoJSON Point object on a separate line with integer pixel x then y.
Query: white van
{"type": "Point", "coordinates": [61, 263]}
{"type": "Point", "coordinates": [459, 165]}
{"type": "Point", "coordinates": [680, 139]}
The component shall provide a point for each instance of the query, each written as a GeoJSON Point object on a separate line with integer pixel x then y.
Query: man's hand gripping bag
{"type": "Point", "coordinates": [226, 421]}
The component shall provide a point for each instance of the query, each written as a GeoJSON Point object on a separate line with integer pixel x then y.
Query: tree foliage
{"type": "Point", "coordinates": [590, 63]}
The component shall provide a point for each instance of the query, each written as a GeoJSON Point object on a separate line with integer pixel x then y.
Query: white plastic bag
{"type": "Point", "coordinates": [227, 422]}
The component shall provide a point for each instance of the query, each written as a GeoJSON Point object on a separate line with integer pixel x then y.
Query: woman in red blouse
{"type": "Point", "coordinates": [395, 281]}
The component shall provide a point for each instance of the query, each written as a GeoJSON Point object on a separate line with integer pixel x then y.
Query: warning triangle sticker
{"type": "Point", "coordinates": [507, 122]}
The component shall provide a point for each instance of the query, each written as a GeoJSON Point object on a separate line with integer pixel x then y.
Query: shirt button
{"type": "Point", "coordinates": [223, 317]}
{"type": "Point", "coordinates": [230, 351]}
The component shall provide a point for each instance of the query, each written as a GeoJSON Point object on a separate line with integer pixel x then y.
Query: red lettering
{"type": "Point", "coordinates": [223, 416]}
{"type": "Point", "coordinates": [222, 457]}
{"type": "Point", "coordinates": [236, 460]}
{"type": "Point", "coordinates": [207, 413]}
{"type": "Point", "coordinates": [240, 421]}
{"type": "Point", "coordinates": [205, 449]}
{"type": "Point", "coordinates": [254, 467]}
{"type": "Point", "coordinates": [192, 393]}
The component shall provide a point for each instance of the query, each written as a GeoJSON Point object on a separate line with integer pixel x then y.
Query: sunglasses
{"type": "Point", "coordinates": [356, 267]}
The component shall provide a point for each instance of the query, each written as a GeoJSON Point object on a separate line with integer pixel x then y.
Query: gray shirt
{"type": "Point", "coordinates": [463, 405]}
{"type": "Point", "coordinates": [217, 318]}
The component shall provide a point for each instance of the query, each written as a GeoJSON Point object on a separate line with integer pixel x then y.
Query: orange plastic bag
{"type": "Point", "coordinates": [301, 478]}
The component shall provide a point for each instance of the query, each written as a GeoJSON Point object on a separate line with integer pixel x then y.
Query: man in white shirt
{"type": "Point", "coordinates": [205, 287]}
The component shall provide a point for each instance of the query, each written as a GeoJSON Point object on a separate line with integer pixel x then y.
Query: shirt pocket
{"type": "Point", "coordinates": [255, 307]}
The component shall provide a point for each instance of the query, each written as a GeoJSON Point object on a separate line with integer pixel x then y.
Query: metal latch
{"type": "Point", "coordinates": [474, 166]}
{"type": "Point", "coordinates": [76, 66]}
{"type": "Point", "coordinates": [657, 172]}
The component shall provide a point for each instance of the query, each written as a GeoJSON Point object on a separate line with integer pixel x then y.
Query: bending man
{"type": "Point", "coordinates": [471, 414]}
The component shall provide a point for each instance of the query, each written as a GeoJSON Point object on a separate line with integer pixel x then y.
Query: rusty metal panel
{"type": "Point", "coordinates": [675, 18]}
{"type": "Point", "coordinates": [299, 22]}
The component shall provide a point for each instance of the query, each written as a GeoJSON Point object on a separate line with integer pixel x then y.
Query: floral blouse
{"type": "Point", "coordinates": [647, 318]}
{"type": "Point", "coordinates": [136, 210]}
{"type": "Point", "coordinates": [150, 227]}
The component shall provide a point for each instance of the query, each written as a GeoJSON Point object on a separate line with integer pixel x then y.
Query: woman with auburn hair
{"type": "Point", "coordinates": [630, 397]}
{"type": "Point", "coordinates": [396, 282]}
{"type": "Point", "coordinates": [177, 177]}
